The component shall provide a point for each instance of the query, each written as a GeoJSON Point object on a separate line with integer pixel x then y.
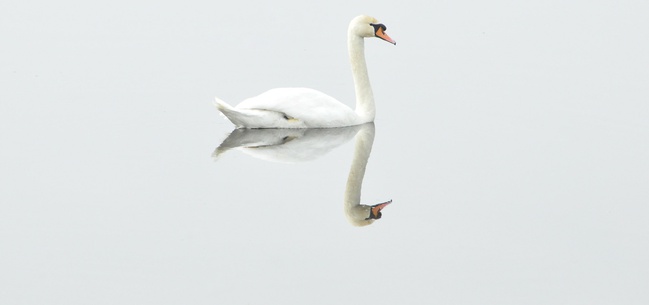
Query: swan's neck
{"type": "Point", "coordinates": [364, 97]}
{"type": "Point", "coordinates": [352, 201]}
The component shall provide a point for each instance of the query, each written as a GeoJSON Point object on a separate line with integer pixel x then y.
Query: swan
{"type": "Point", "coordinates": [361, 214]}
{"type": "Point", "coordinates": [309, 108]}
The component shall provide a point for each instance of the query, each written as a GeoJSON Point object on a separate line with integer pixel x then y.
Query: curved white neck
{"type": "Point", "coordinates": [364, 98]}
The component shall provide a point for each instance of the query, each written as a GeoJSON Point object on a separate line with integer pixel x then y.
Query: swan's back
{"type": "Point", "coordinates": [309, 107]}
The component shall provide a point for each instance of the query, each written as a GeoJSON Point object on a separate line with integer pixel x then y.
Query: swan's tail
{"type": "Point", "coordinates": [222, 106]}
{"type": "Point", "coordinates": [231, 113]}
{"type": "Point", "coordinates": [249, 118]}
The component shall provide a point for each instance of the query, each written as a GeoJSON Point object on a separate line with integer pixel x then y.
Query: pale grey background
{"type": "Point", "coordinates": [512, 137]}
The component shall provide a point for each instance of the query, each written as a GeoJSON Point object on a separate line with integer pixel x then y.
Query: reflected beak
{"type": "Point", "coordinates": [380, 33]}
{"type": "Point", "coordinates": [376, 209]}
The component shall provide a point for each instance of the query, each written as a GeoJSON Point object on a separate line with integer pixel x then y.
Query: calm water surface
{"type": "Point", "coordinates": [511, 139]}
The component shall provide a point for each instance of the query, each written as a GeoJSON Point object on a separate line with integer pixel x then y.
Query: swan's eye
{"type": "Point", "coordinates": [378, 27]}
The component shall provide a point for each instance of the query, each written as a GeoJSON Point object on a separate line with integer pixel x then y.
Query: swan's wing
{"type": "Point", "coordinates": [312, 107]}
{"type": "Point", "coordinates": [256, 118]}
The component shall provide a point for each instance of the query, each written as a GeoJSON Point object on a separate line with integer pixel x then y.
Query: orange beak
{"type": "Point", "coordinates": [376, 210]}
{"type": "Point", "coordinates": [380, 33]}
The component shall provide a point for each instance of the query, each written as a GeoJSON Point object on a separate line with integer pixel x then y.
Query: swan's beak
{"type": "Point", "coordinates": [380, 33]}
{"type": "Point", "coordinates": [375, 212]}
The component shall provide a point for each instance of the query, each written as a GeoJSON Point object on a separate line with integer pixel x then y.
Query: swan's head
{"type": "Point", "coordinates": [362, 215]}
{"type": "Point", "coordinates": [366, 26]}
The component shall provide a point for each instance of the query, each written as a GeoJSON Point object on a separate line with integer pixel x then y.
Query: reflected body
{"type": "Point", "coordinates": [309, 108]}
{"type": "Point", "coordinates": [286, 145]}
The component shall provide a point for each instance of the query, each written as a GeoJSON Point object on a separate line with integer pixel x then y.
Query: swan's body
{"type": "Point", "coordinates": [290, 108]}
{"type": "Point", "coordinates": [308, 108]}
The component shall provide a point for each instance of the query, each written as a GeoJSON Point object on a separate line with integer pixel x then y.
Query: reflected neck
{"type": "Point", "coordinates": [362, 150]}
{"type": "Point", "coordinates": [365, 108]}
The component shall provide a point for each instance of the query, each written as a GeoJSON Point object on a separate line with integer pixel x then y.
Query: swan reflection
{"type": "Point", "coordinates": [286, 145]}
{"type": "Point", "coordinates": [360, 214]}
{"type": "Point", "coordinates": [295, 145]}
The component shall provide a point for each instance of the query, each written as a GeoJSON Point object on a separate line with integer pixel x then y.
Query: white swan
{"type": "Point", "coordinates": [360, 214]}
{"type": "Point", "coordinates": [308, 108]}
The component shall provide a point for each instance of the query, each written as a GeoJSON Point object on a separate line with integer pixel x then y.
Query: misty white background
{"type": "Point", "coordinates": [512, 136]}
